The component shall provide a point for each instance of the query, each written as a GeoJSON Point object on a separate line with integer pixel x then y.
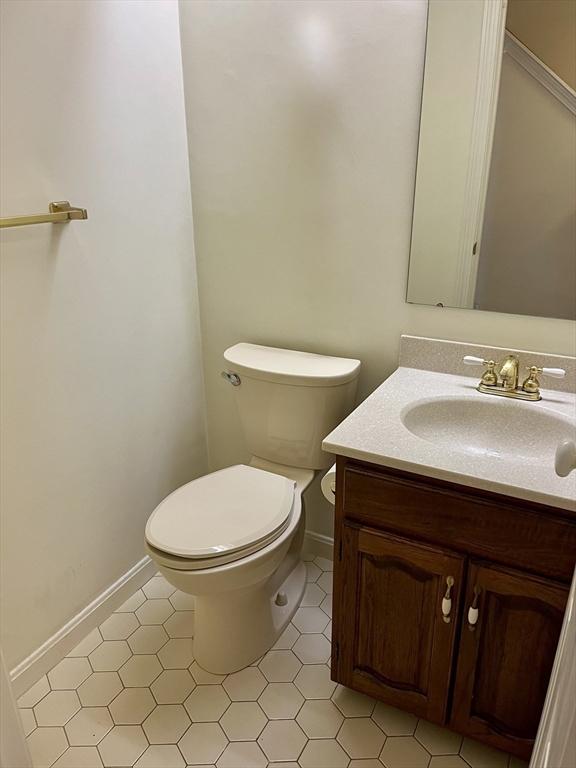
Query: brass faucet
{"type": "Point", "coordinates": [505, 382]}
{"type": "Point", "coordinates": [509, 373]}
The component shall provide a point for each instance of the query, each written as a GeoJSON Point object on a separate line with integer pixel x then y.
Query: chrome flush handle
{"type": "Point", "coordinates": [232, 378]}
{"type": "Point", "coordinates": [447, 600]}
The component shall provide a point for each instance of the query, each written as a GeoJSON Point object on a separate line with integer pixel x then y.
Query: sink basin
{"type": "Point", "coordinates": [489, 426]}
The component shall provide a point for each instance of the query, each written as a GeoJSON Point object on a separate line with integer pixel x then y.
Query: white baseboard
{"type": "Point", "coordinates": [318, 544]}
{"type": "Point", "coordinates": [41, 661]}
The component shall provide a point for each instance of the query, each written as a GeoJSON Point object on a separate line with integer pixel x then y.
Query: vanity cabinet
{"type": "Point", "coordinates": [448, 602]}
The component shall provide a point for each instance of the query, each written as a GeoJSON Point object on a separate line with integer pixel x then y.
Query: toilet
{"type": "Point", "coordinates": [234, 538]}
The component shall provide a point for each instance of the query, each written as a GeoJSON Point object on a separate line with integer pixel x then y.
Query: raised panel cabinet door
{"type": "Point", "coordinates": [510, 629]}
{"type": "Point", "coordinates": [395, 616]}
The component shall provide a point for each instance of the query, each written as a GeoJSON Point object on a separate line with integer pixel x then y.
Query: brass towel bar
{"type": "Point", "coordinates": [59, 213]}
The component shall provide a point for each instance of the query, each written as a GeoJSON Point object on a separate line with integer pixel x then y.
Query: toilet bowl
{"type": "Point", "coordinates": [234, 538]}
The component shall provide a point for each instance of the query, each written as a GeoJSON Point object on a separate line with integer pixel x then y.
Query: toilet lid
{"type": "Point", "coordinates": [221, 512]}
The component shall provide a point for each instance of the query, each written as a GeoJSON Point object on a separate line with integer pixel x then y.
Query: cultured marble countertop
{"type": "Point", "coordinates": [375, 433]}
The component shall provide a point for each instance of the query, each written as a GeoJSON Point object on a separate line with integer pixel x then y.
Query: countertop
{"type": "Point", "coordinates": [375, 433]}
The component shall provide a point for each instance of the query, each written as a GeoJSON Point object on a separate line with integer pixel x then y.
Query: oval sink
{"type": "Point", "coordinates": [494, 427]}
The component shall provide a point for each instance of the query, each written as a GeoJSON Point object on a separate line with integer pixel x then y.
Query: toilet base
{"type": "Point", "coordinates": [234, 629]}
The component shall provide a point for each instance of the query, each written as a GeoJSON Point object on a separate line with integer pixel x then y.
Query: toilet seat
{"type": "Point", "coordinates": [220, 517]}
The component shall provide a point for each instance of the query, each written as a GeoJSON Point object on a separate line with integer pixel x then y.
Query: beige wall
{"type": "Point", "coordinates": [303, 126]}
{"type": "Point", "coordinates": [548, 28]}
{"type": "Point", "coordinates": [102, 402]}
{"type": "Point", "coordinates": [528, 250]}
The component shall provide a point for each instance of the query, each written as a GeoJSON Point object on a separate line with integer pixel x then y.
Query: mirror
{"type": "Point", "coordinates": [494, 224]}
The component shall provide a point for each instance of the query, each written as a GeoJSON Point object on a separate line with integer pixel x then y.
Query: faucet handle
{"type": "Point", "coordinates": [556, 373]}
{"type": "Point", "coordinates": [532, 385]}
{"type": "Point", "coordinates": [489, 377]}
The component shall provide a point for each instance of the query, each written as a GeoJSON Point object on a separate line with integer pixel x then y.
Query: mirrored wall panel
{"type": "Point", "coordinates": [494, 223]}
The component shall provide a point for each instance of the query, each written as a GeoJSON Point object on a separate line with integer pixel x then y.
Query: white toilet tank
{"type": "Point", "coordinates": [289, 401]}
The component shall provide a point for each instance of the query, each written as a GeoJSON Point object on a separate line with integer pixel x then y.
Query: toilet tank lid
{"type": "Point", "coordinates": [288, 366]}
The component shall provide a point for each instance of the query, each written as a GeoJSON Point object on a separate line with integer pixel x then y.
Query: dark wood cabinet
{"type": "Point", "coordinates": [404, 544]}
{"type": "Point", "coordinates": [505, 658]}
{"type": "Point", "coordinates": [398, 641]}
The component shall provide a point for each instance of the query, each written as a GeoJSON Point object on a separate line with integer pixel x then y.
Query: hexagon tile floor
{"type": "Point", "coordinates": [131, 694]}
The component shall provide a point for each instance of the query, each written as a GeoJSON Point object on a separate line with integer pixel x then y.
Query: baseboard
{"type": "Point", "coordinates": [318, 544]}
{"type": "Point", "coordinates": [41, 661]}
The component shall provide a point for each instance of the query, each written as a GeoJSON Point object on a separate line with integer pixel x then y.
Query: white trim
{"type": "Point", "coordinates": [41, 661]}
{"type": "Point", "coordinates": [540, 72]}
{"type": "Point", "coordinates": [318, 544]}
{"type": "Point", "coordinates": [488, 86]}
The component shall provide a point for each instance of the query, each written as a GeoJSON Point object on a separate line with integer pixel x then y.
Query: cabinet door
{"type": "Point", "coordinates": [391, 639]}
{"type": "Point", "coordinates": [505, 659]}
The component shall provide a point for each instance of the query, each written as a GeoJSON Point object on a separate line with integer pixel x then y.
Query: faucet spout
{"type": "Point", "coordinates": [509, 373]}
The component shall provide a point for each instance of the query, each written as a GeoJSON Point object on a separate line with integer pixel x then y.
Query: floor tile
{"type": "Point", "coordinates": [313, 595]}
{"type": "Point", "coordinates": [324, 564]}
{"type": "Point", "coordinates": [28, 721]}
{"type": "Point", "coordinates": [207, 703]}
{"type": "Point", "coordinates": [158, 587]}
{"type": "Point", "coordinates": [480, 756]}
{"type": "Point", "coordinates": [132, 706]}
{"type": "Point", "coordinates": [310, 620]}
{"type": "Point", "coordinates": [119, 626]}
{"type": "Point", "coordinates": [87, 645]}
{"type": "Point", "coordinates": [180, 624]}
{"type": "Point", "coordinates": [326, 606]}
{"type": "Point", "coordinates": [79, 757]}
{"type": "Point", "coordinates": [46, 745]}
{"type": "Point", "coordinates": [161, 756]}
{"type": "Point", "coordinates": [323, 753]}
{"type": "Point", "coordinates": [57, 708]}
{"type": "Point", "coordinates": [139, 671]}
{"type": "Point", "coordinates": [122, 746]}
{"type": "Point", "coordinates": [88, 727]}
{"type": "Point", "coordinates": [280, 666]}
{"type": "Point", "coordinates": [404, 752]}
{"type": "Point", "coordinates": [34, 693]}
{"type": "Point", "coordinates": [109, 656]}
{"type": "Point", "coordinates": [281, 701]}
{"type": "Point", "coordinates": [286, 639]}
{"type": "Point", "coordinates": [245, 685]}
{"type": "Point", "coordinates": [148, 639]}
{"type": "Point", "coordinates": [166, 724]}
{"type": "Point", "coordinates": [243, 721]}
{"type": "Point", "coordinates": [437, 740]}
{"type": "Point", "coordinates": [176, 654]}
{"type": "Point", "coordinates": [203, 743]}
{"type": "Point", "coordinates": [447, 761]}
{"type": "Point", "coordinates": [282, 710]}
{"type": "Point", "coordinates": [361, 738]}
{"type": "Point", "coordinates": [69, 674]}
{"type": "Point", "coordinates": [243, 754]}
{"type": "Point", "coordinates": [133, 602]}
{"type": "Point", "coordinates": [393, 721]}
{"type": "Point", "coordinates": [312, 649]}
{"type": "Point", "coordinates": [351, 703]}
{"type": "Point", "coordinates": [320, 719]}
{"type": "Point", "coordinates": [312, 572]}
{"type": "Point", "coordinates": [325, 582]}
{"type": "Point", "coordinates": [173, 686]}
{"type": "Point", "coordinates": [99, 689]}
{"type": "Point", "coordinates": [154, 611]}
{"type": "Point", "coordinates": [202, 677]}
{"type": "Point", "coordinates": [313, 681]}
{"type": "Point", "coordinates": [282, 740]}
